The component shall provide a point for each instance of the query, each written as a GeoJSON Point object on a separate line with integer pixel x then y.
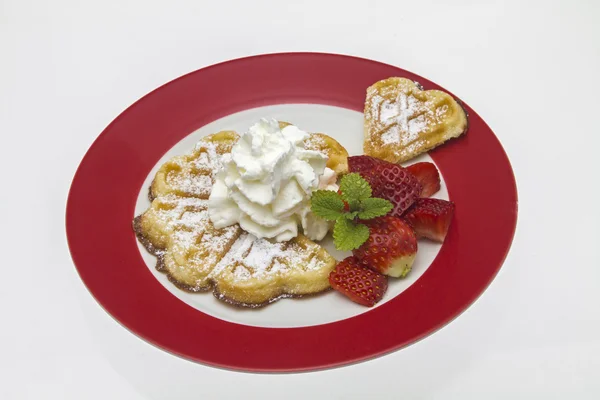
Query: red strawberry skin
{"type": "Point", "coordinates": [391, 247]}
{"type": "Point", "coordinates": [360, 284]}
{"type": "Point", "coordinates": [427, 175]}
{"type": "Point", "coordinates": [363, 163]}
{"type": "Point", "coordinates": [430, 218]}
{"type": "Point", "coordinates": [388, 181]}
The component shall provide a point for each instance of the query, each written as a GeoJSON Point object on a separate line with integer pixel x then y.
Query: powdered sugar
{"type": "Point", "coordinates": [208, 161]}
{"type": "Point", "coordinates": [315, 142]}
{"type": "Point", "coordinates": [170, 208]}
{"type": "Point", "coordinates": [262, 253]}
{"type": "Point", "coordinates": [203, 163]}
{"type": "Point", "coordinates": [193, 174]}
{"type": "Point", "coordinates": [194, 252]}
{"type": "Point", "coordinates": [242, 273]}
{"type": "Point", "coordinates": [191, 184]}
{"type": "Point", "coordinates": [184, 239]}
{"type": "Point", "coordinates": [191, 220]}
{"type": "Point", "coordinates": [259, 258]}
{"type": "Point", "coordinates": [402, 120]}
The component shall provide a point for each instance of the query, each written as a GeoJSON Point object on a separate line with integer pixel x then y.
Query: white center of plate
{"type": "Point", "coordinates": [345, 126]}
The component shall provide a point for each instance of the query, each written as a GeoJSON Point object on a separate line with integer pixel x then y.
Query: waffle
{"type": "Point", "coordinates": [236, 266]}
{"type": "Point", "coordinates": [336, 153]}
{"type": "Point", "coordinates": [191, 175]}
{"type": "Point", "coordinates": [402, 120]}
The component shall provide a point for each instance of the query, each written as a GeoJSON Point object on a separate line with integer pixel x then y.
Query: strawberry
{"type": "Point", "coordinates": [427, 175]}
{"type": "Point", "coordinates": [362, 285]}
{"type": "Point", "coordinates": [430, 218]}
{"type": "Point", "coordinates": [388, 181]}
{"type": "Point", "coordinates": [391, 247]}
{"type": "Point", "coordinates": [394, 183]}
{"type": "Point", "coordinates": [363, 163]}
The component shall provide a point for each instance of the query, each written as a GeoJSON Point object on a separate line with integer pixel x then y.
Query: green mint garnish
{"type": "Point", "coordinates": [348, 235]}
{"type": "Point", "coordinates": [374, 207]}
{"type": "Point", "coordinates": [327, 204]}
{"type": "Point", "coordinates": [354, 202]}
{"type": "Point", "coordinates": [354, 187]}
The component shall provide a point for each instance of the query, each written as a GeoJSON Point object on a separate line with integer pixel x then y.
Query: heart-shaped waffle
{"type": "Point", "coordinates": [238, 267]}
{"type": "Point", "coordinates": [403, 121]}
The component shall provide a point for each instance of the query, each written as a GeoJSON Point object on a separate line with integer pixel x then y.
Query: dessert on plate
{"type": "Point", "coordinates": [245, 266]}
{"type": "Point", "coordinates": [242, 215]}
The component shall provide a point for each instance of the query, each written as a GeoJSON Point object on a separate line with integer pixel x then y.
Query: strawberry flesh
{"type": "Point", "coordinates": [427, 175]}
{"type": "Point", "coordinates": [360, 284]}
{"type": "Point", "coordinates": [430, 218]}
{"type": "Point", "coordinates": [391, 247]}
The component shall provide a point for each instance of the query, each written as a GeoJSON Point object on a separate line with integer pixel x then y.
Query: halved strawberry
{"type": "Point", "coordinates": [388, 181]}
{"type": "Point", "coordinates": [427, 175]}
{"type": "Point", "coordinates": [363, 163]}
{"type": "Point", "coordinates": [391, 247]}
{"type": "Point", "coordinates": [362, 285]}
{"type": "Point", "coordinates": [430, 218]}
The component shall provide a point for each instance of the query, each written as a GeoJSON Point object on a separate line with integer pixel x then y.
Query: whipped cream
{"type": "Point", "coordinates": [266, 183]}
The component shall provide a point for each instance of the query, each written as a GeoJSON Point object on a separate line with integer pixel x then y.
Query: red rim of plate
{"type": "Point", "coordinates": [103, 193]}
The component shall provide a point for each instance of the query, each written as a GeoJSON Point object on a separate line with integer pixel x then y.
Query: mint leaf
{"type": "Point", "coordinates": [374, 207]}
{"type": "Point", "coordinates": [354, 187]}
{"type": "Point", "coordinates": [354, 205]}
{"type": "Point", "coordinates": [350, 214]}
{"type": "Point", "coordinates": [327, 204]}
{"type": "Point", "coordinates": [348, 235]}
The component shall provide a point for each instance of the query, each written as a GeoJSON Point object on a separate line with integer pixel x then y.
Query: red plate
{"type": "Point", "coordinates": [104, 191]}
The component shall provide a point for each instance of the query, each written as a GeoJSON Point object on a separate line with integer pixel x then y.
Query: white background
{"type": "Point", "coordinates": [67, 68]}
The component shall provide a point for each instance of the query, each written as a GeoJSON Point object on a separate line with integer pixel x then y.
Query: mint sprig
{"type": "Point", "coordinates": [352, 204]}
{"type": "Point", "coordinates": [355, 188]}
{"type": "Point", "coordinates": [327, 205]}
{"type": "Point", "coordinates": [374, 207]}
{"type": "Point", "coordinates": [348, 235]}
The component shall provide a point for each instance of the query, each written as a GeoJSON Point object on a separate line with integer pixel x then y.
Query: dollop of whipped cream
{"type": "Point", "coordinates": [266, 182]}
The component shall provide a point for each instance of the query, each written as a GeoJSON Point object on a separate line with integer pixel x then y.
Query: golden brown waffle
{"type": "Point", "coordinates": [403, 121]}
{"type": "Point", "coordinates": [191, 175]}
{"type": "Point", "coordinates": [336, 153]}
{"type": "Point", "coordinates": [196, 256]}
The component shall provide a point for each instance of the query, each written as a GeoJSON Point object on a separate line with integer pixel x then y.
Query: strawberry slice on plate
{"type": "Point", "coordinates": [388, 181]}
{"type": "Point", "coordinates": [360, 284]}
{"type": "Point", "coordinates": [427, 175]}
{"type": "Point", "coordinates": [391, 247]}
{"type": "Point", "coordinates": [430, 218]}
{"type": "Point", "coordinates": [363, 163]}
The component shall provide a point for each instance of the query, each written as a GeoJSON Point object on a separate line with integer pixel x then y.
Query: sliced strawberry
{"type": "Point", "coordinates": [389, 181]}
{"type": "Point", "coordinates": [363, 163]}
{"type": "Point", "coordinates": [362, 285]}
{"type": "Point", "coordinates": [391, 247]}
{"type": "Point", "coordinates": [430, 218]}
{"type": "Point", "coordinates": [427, 175]}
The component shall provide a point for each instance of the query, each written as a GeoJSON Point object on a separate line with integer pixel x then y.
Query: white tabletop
{"type": "Point", "coordinates": [67, 68]}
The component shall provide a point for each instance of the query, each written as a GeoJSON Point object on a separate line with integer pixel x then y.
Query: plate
{"type": "Point", "coordinates": [317, 92]}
